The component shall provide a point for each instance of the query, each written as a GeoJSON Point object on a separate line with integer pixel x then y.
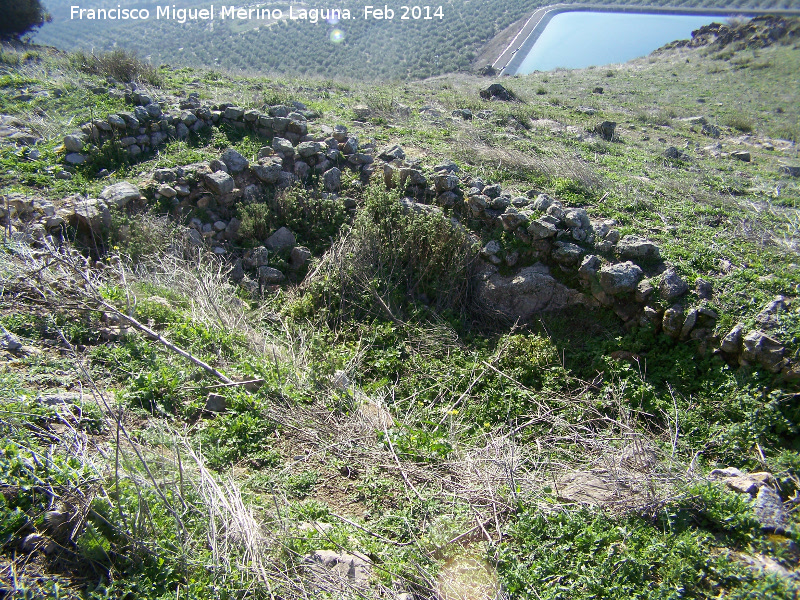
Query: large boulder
{"type": "Point", "coordinates": [533, 290]}
{"type": "Point", "coordinates": [120, 194]}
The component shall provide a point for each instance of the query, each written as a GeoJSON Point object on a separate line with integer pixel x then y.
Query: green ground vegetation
{"type": "Point", "coordinates": [452, 429]}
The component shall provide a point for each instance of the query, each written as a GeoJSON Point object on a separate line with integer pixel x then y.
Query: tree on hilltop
{"type": "Point", "coordinates": [21, 17]}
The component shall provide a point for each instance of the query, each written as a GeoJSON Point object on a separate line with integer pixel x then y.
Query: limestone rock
{"type": "Point", "coordinates": [770, 315]}
{"type": "Point", "coordinates": [332, 179]}
{"type": "Point", "coordinates": [268, 173]}
{"type": "Point", "coordinates": [235, 162]}
{"type": "Point", "coordinates": [299, 256]}
{"type": "Point", "coordinates": [541, 229]}
{"type": "Point", "coordinates": [759, 348]}
{"type": "Point", "coordinates": [216, 403]}
{"type": "Point", "coordinates": [673, 321]}
{"type": "Point", "coordinates": [566, 253]}
{"type": "Point", "coordinates": [73, 142]}
{"type": "Point", "coordinates": [336, 571]}
{"type": "Point", "coordinates": [362, 111]}
{"type": "Point", "coordinates": [167, 191]}
{"type": "Point", "coordinates": [531, 291]}
{"type": "Point", "coordinates": [390, 153]}
{"type": "Point", "coordinates": [512, 219]}
{"type": "Point", "coordinates": [732, 343]}
{"type": "Point", "coordinates": [91, 213]}
{"type": "Point", "coordinates": [770, 511]}
{"type": "Point", "coordinates": [620, 278]}
{"type": "Point", "coordinates": [742, 155]}
{"type": "Point", "coordinates": [592, 488]}
{"type": "Point", "coordinates": [269, 275]}
{"type": "Point", "coordinates": [497, 92]}
{"type": "Point", "coordinates": [219, 182]}
{"type": "Point", "coordinates": [672, 285]}
{"type": "Point", "coordinates": [281, 239]}
{"type": "Point", "coordinates": [633, 247]}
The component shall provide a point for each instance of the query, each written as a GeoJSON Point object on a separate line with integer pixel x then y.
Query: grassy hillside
{"type": "Point", "coordinates": [368, 411]}
{"type": "Point", "coordinates": [386, 50]}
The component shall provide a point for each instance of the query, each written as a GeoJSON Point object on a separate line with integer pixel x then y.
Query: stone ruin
{"type": "Point", "coordinates": [560, 256]}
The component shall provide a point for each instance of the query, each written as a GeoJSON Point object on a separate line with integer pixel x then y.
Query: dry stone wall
{"type": "Point", "coordinates": [560, 256]}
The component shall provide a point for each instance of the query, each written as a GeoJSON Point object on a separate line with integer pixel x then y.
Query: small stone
{"type": "Point", "coordinates": [770, 512]}
{"type": "Point", "coordinates": [281, 239]}
{"type": "Point", "coordinates": [167, 191]}
{"type": "Point", "coordinates": [704, 289]}
{"type": "Point", "coordinates": [332, 179]}
{"type": "Point", "coordinates": [235, 162]}
{"type": "Point", "coordinates": [491, 248]}
{"type": "Point", "coordinates": [216, 403]}
{"type": "Point", "coordinates": [299, 257]}
{"type": "Point", "coordinates": [742, 155]}
{"type": "Point", "coordinates": [270, 275]}
{"type": "Point", "coordinates": [673, 321]}
{"type": "Point", "coordinates": [219, 182]}
{"type": "Point", "coordinates": [74, 158]}
{"type": "Point", "coordinates": [73, 143]}
{"type": "Point", "coordinates": [732, 343]}
{"type": "Point", "coordinates": [643, 291]}
{"type": "Point", "coordinates": [361, 111]}
{"type": "Point", "coordinates": [672, 285]}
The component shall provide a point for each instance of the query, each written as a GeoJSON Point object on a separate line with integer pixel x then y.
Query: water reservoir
{"type": "Point", "coordinates": [579, 39]}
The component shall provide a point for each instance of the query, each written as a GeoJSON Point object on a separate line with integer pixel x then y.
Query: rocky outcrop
{"type": "Point", "coordinates": [768, 507]}
{"type": "Point", "coordinates": [340, 572]}
{"type": "Point", "coordinates": [758, 32]}
{"type": "Point", "coordinates": [532, 290]}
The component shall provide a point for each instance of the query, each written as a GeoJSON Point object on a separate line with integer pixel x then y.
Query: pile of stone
{"type": "Point", "coordinates": [148, 126]}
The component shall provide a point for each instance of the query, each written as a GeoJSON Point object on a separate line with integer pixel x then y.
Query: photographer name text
{"type": "Point", "coordinates": [310, 15]}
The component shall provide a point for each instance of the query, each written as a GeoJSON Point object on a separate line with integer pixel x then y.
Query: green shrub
{"type": "Point", "coordinates": [740, 122]}
{"type": "Point", "coordinates": [122, 65]}
{"type": "Point", "coordinates": [394, 254]}
{"type": "Point", "coordinates": [314, 220]}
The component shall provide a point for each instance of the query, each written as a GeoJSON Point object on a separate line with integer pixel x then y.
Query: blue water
{"type": "Point", "coordinates": [575, 40]}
